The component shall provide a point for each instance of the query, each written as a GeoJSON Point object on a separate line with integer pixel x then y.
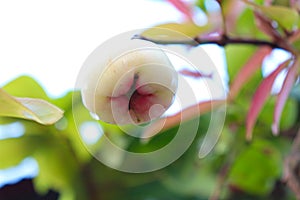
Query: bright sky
{"type": "Point", "coordinates": [50, 40]}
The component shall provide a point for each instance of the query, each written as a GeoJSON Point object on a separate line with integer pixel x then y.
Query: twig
{"type": "Point", "coordinates": [220, 182]}
{"type": "Point", "coordinates": [223, 41]}
{"type": "Point", "coordinates": [226, 167]}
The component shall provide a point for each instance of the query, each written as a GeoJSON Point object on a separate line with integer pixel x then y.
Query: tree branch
{"type": "Point", "coordinates": [223, 41]}
{"type": "Point", "coordinates": [226, 40]}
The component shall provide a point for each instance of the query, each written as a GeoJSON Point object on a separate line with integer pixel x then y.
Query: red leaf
{"type": "Point", "coordinates": [252, 65]}
{"type": "Point", "coordinates": [183, 8]}
{"type": "Point", "coordinates": [194, 74]}
{"type": "Point", "coordinates": [283, 95]}
{"type": "Point", "coordinates": [260, 98]}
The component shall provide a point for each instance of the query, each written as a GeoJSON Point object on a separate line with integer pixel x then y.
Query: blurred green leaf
{"type": "Point", "coordinates": [295, 93]}
{"type": "Point", "coordinates": [27, 108]}
{"type": "Point", "coordinates": [282, 2]}
{"type": "Point", "coordinates": [75, 115]}
{"type": "Point", "coordinates": [201, 4]}
{"type": "Point", "coordinates": [246, 26]}
{"type": "Point", "coordinates": [287, 18]}
{"type": "Point", "coordinates": [14, 150]}
{"type": "Point", "coordinates": [249, 70]}
{"type": "Point", "coordinates": [200, 180]}
{"type": "Point", "coordinates": [173, 32]}
{"type": "Point", "coordinates": [256, 168]}
{"type": "Point", "coordinates": [290, 114]}
{"type": "Point", "coordinates": [234, 63]}
{"type": "Point", "coordinates": [58, 168]}
{"type": "Point", "coordinates": [25, 86]}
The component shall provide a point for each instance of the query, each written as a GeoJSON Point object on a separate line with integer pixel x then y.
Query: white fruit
{"type": "Point", "coordinates": [131, 83]}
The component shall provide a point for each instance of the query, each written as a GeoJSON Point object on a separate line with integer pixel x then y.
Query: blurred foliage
{"type": "Point", "coordinates": [236, 168]}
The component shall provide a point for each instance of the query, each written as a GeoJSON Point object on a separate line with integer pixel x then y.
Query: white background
{"type": "Point", "coordinates": [50, 40]}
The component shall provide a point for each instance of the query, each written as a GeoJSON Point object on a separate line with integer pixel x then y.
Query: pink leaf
{"type": "Point", "coordinates": [283, 95]}
{"type": "Point", "coordinates": [194, 74]}
{"type": "Point", "coordinates": [260, 98]}
{"type": "Point", "coordinates": [183, 8]}
{"type": "Point", "coordinates": [252, 65]}
{"type": "Point", "coordinates": [184, 115]}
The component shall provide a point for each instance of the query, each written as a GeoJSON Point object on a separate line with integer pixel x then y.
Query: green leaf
{"type": "Point", "coordinates": [201, 180]}
{"type": "Point", "coordinates": [234, 63]}
{"type": "Point", "coordinates": [246, 24]}
{"type": "Point", "coordinates": [20, 88]}
{"type": "Point", "coordinates": [295, 93]}
{"type": "Point", "coordinates": [173, 32]}
{"type": "Point", "coordinates": [247, 27]}
{"type": "Point", "coordinates": [14, 150]}
{"type": "Point", "coordinates": [58, 169]}
{"type": "Point", "coordinates": [290, 114]}
{"type": "Point", "coordinates": [75, 114]}
{"type": "Point", "coordinates": [201, 4]}
{"type": "Point", "coordinates": [287, 18]}
{"type": "Point", "coordinates": [256, 168]}
{"type": "Point", "coordinates": [249, 69]}
{"type": "Point", "coordinates": [27, 108]}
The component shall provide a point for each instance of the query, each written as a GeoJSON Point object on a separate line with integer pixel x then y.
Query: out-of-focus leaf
{"type": "Point", "coordinates": [201, 180]}
{"type": "Point", "coordinates": [295, 39]}
{"type": "Point", "coordinates": [251, 66]}
{"type": "Point", "coordinates": [190, 169]}
{"type": "Point", "coordinates": [58, 170]}
{"type": "Point", "coordinates": [295, 93]}
{"type": "Point", "coordinates": [287, 18]}
{"type": "Point", "coordinates": [266, 26]}
{"type": "Point", "coordinates": [282, 2]}
{"type": "Point", "coordinates": [25, 86]}
{"type": "Point", "coordinates": [27, 108]}
{"type": "Point", "coordinates": [64, 102]}
{"type": "Point", "coordinates": [173, 32]}
{"type": "Point", "coordinates": [283, 95]}
{"type": "Point", "coordinates": [76, 115]}
{"type": "Point", "coordinates": [201, 5]}
{"type": "Point", "coordinates": [14, 150]}
{"type": "Point", "coordinates": [290, 113]}
{"type": "Point", "coordinates": [183, 7]}
{"type": "Point", "coordinates": [234, 62]}
{"type": "Point", "coordinates": [232, 10]}
{"type": "Point", "coordinates": [185, 115]}
{"type": "Point", "coordinates": [246, 26]}
{"type": "Point", "coordinates": [260, 97]}
{"type": "Point", "coordinates": [257, 168]}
